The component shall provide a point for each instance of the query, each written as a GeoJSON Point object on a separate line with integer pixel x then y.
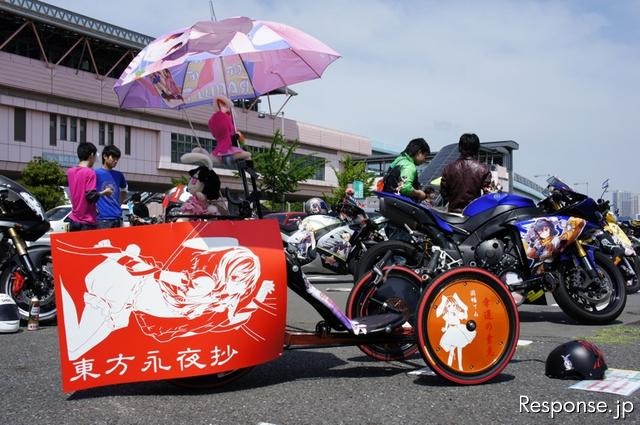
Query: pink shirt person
{"type": "Point", "coordinates": [222, 129]}
{"type": "Point", "coordinates": [82, 180]}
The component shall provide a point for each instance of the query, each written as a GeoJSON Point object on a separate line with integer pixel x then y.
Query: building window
{"type": "Point", "coordinates": [63, 127]}
{"type": "Point", "coordinates": [319, 175]}
{"type": "Point", "coordinates": [101, 134]}
{"type": "Point", "coordinates": [20, 125]}
{"type": "Point", "coordinates": [184, 143]}
{"type": "Point", "coordinates": [73, 129]}
{"type": "Point", "coordinates": [83, 130]}
{"type": "Point", "coordinates": [127, 140]}
{"type": "Point", "coordinates": [110, 134]}
{"type": "Point", "coordinates": [53, 134]}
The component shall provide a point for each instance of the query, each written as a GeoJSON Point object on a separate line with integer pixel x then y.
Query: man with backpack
{"type": "Point", "coordinates": [402, 176]}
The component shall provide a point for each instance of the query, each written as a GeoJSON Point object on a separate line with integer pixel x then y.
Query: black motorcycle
{"type": "Point", "coordinates": [25, 271]}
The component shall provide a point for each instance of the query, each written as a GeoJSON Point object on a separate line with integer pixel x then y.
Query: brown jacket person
{"type": "Point", "coordinates": [466, 178]}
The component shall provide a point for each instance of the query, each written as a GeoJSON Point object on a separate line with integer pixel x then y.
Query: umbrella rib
{"type": "Point", "coordinates": [246, 71]}
{"type": "Point", "coordinates": [305, 62]}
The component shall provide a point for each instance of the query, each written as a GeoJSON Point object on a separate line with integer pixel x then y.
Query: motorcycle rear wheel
{"type": "Point", "coordinates": [398, 293]}
{"type": "Point", "coordinates": [467, 326]}
{"type": "Point", "coordinates": [402, 253]}
{"type": "Point", "coordinates": [573, 300]}
{"type": "Point", "coordinates": [13, 275]}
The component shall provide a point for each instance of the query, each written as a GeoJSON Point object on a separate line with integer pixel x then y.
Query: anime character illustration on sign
{"type": "Point", "coordinates": [455, 335]}
{"type": "Point", "coordinates": [218, 294]}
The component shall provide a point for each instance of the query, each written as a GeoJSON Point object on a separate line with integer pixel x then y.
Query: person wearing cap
{"type": "Point", "coordinates": [224, 131]}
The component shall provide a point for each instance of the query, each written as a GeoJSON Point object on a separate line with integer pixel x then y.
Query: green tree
{"type": "Point", "coordinates": [44, 179]}
{"type": "Point", "coordinates": [351, 170]}
{"type": "Point", "coordinates": [175, 181]}
{"type": "Point", "coordinates": [282, 170]}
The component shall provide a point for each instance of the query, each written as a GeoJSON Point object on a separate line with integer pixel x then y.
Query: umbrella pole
{"type": "Point", "coordinates": [193, 130]}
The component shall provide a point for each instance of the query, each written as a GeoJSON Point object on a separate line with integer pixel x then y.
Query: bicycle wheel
{"type": "Point", "coordinates": [398, 293]}
{"type": "Point", "coordinates": [207, 382]}
{"type": "Point", "coordinates": [467, 326]}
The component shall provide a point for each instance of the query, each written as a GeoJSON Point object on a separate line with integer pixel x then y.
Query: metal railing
{"type": "Point", "coordinates": [34, 9]}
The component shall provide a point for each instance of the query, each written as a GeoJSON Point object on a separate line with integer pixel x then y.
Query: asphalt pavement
{"type": "Point", "coordinates": [335, 385]}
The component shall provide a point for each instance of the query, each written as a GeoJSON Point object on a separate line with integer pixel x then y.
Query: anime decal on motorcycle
{"type": "Point", "coordinates": [545, 237]}
{"type": "Point", "coordinates": [338, 242]}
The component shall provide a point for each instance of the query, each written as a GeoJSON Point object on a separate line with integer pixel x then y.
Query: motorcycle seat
{"type": "Point", "coordinates": [451, 218]}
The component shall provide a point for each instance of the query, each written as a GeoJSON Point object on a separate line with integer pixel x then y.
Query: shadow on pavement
{"type": "Point", "coordinates": [292, 366]}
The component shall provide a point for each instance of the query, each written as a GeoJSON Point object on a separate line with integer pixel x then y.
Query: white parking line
{"type": "Point", "coordinates": [423, 372]}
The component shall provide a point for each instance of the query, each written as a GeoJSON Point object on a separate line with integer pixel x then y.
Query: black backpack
{"type": "Point", "coordinates": [391, 181]}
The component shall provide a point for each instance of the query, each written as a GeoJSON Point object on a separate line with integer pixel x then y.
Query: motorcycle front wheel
{"type": "Point", "coordinates": [398, 292]}
{"type": "Point", "coordinates": [16, 283]}
{"type": "Point", "coordinates": [598, 302]}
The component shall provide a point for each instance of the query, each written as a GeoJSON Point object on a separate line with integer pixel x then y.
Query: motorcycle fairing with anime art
{"type": "Point", "coordinates": [339, 242]}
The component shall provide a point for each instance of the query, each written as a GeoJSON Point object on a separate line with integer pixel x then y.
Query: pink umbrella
{"type": "Point", "coordinates": [240, 58]}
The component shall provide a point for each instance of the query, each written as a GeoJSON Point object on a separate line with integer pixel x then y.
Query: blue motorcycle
{"type": "Point", "coordinates": [532, 251]}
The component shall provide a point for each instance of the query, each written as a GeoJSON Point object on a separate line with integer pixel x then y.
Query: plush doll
{"type": "Point", "coordinates": [204, 186]}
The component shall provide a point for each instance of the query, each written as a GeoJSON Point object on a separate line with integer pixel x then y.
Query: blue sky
{"type": "Point", "coordinates": [561, 78]}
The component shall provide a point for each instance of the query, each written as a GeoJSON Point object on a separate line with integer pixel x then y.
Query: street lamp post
{"type": "Point", "coordinates": [583, 183]}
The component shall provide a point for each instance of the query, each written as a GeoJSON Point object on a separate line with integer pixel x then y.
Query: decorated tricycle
{"type": "Point", "coordinates": [201, 302]}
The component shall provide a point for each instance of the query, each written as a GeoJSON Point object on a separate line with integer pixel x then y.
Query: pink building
{"type": "Point", "coordinates": [57, 71]}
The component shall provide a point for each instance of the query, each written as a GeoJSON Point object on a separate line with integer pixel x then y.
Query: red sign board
{"type": "Point", "coordinates": [169, 300]}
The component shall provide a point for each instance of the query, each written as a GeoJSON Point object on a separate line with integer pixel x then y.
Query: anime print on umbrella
{"type": "Point", "coordinates": [240, 58]}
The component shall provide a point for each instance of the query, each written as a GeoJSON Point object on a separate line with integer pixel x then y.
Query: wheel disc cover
{"type": "Point", "coordinates": [451, 334]}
